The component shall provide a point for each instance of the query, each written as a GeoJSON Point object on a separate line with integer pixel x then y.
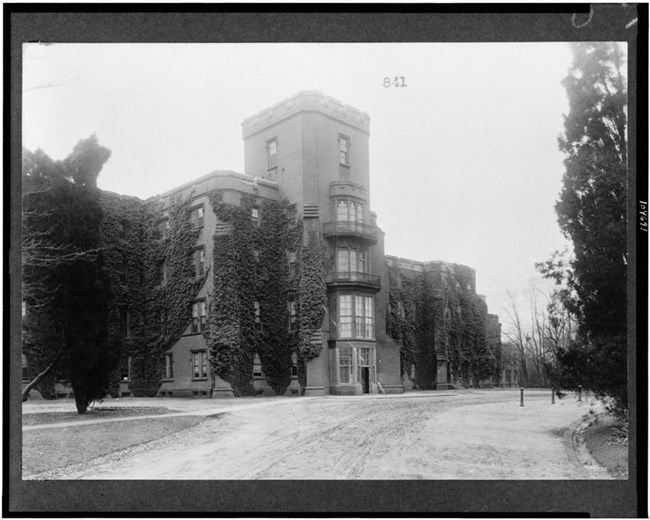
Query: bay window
{"type": "Point", "coordinates": [356, 317]}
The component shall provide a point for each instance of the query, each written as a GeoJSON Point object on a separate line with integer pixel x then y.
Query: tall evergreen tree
{"type": "Point", "coordinates": [592, 214]}
{"type": "Point", "coordinates": [66, 290]}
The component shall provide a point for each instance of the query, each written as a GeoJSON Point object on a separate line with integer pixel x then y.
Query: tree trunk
{"type": "Point", "coordinates": [40, 376]}
{"type": "Point", "coordinates": [81, 402]}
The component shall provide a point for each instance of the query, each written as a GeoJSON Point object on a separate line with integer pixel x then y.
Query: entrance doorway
{"type": "Point", "coordinates": [365, 380]}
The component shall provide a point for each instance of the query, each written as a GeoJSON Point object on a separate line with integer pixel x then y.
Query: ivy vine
{"type": "Point", "coordinates": [158, 312]}
{"type": "Point", "coordinates": [453, 319]}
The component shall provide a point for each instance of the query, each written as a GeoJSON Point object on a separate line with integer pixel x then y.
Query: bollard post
{"type": "Point", "coordinates": [521, 402]}
{"type": "Point", "coordinates": [552, 395]}
{"type": "Point", "coordinates": [579, 393]}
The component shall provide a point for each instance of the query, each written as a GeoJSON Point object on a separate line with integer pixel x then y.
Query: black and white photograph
{"type": "Point", "coordinates": [304, 261]}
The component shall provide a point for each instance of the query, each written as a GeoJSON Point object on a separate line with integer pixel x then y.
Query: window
{"type": "Point", "coordinates": [199, 262]}
{"type": "Point", "coordinates": [351, 260]}
{"type": "Point", "coordinates": [257, 366]}
{"type": "Point", "coordinates": [255, 216]}
{"type": "Point", "coordinates": [346, 316]}
{"type": "Point", "coordinates": [272, 153]}
{"type": "Point", "coordinates": [345, 365]}
{"type": "Point", "coordinates": [123, 272]}
{"type": "Point", "coordinates": [125, 369]}
{"type": "Point", "coordinates": [344, 150]}
{"type": "Point", "coordinates": [356, 317]}
{"type": "Point", "coordinates": [258, 315]}
{"type": "Point", "coordinates": [293, 317]}
{"type": "Point", "coordinates": [125, 318]}
{"type": "Point", "coordinates": [349, 210]}
{"type": "Point", "coordinates": [294, 365]}
{"type": "Point", "coordinates": [196, 217]}
{"type": "Point", "coordinates": [162, 273]}
{"type": "Point", "coordinates": [291, 257]}
{"type": "Point", "coordinates": [199, 365]}
{"type": "Point", "coordinates": [198, 316]}
{"type": "Point", "coordinates": [169, 366]}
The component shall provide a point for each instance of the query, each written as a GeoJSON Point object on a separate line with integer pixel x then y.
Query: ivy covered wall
{"type": "Point", "coordinates": [435, 315]}
{"type": "Point", "coordinates": [148, 313]}
{"type": "Point", "coordinates": [260, 265]}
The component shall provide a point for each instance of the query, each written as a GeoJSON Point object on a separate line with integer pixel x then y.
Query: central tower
{"type": "Point", "coordinates": [316, 149]}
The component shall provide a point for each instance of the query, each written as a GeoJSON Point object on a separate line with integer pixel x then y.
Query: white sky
{"type": "Point", "coordinates": [464, 162]}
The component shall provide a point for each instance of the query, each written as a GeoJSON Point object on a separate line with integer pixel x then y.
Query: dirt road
{"type": "Point", "coordinates": [452, 435]}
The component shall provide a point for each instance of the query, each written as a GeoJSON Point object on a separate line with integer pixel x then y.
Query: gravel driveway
{"type": "Point", "coordinates": [426, 435]}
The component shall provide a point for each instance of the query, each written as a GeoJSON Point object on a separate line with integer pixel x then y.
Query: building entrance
{"type": "Point", "coordinates": [365, 380]}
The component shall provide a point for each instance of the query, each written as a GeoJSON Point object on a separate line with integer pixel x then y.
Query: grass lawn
{"type": "Point", "coordinates": [53, 448]}
{"type": "Point", "coordinates": [31, 419]}
{"type": "Point", "coordinates": [606, 446]}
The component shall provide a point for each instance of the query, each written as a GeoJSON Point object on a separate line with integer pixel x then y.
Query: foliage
{"type": "Point", "coordinates": [312, 294]}
{"type": "Point", "coordinates": [592, 214]}
{"type": "Point", "coordinates": [251, 265]}
{"type": "Point", "coordinates": [66, 287]}
{"type": "Point", "coordinates": [400, 317]}
{"type": "Point", "coordinates": [430, 320]}
{"type": "Point", "coordinates": [274, 239]}
{"type": "Point", "coordinates": [158, 312]}
{"type": "Point", "coordinates": [233, 337]}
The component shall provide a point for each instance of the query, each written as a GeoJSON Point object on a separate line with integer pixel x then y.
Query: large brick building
{"type": "Point", "coordinates": [308, 154]}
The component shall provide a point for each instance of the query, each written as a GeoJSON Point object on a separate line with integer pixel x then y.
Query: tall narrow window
{"type": "Point", "coordinates": [272, 153]}
{"type": "Point", "coordinates": [257, 366]}
{"type": "Point", "coordinates": [169, 366]}
{"type": "Point", "coordinates": [199, 262]}
{"type": "Point", "coordinates": [124, 323]}
{"type": "Point", "coordinates": [162, 273]}
{"type": "Point", "coordinates": [258, 315]}
{"type": "Point", "coordinates": [291, 256]}
{"type": "Point", "coordinates": [345, 365]}
{"type": "Point", "coordinates": [346, 316]}
{"type": "Point", "coordinates": [294, 365]}
{"type": "Point", "coordinates": [363, 263]}
{"type": "Point", "coordinates": [199, 365]}
{"type": "Point", "coordinates": [344, 150]}
{"type": "Point", "coordinates": [124, 271]}
{"type": "Point", "coordinates": [293, 317]}
{"type": "Point", "coordinates": [199, 316]}
{"type": "Point", "coordinates": [369, 318]}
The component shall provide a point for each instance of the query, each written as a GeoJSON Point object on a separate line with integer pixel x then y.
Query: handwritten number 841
{"type": "Point", "coordinates": [397, 81]}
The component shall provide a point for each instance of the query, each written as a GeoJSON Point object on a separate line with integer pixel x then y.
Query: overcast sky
{"type": "Point", "coordinates": [464, 162]}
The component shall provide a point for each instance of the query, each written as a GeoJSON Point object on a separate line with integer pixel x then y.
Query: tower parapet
{"type": "Point", "coordinates": [306, 101]}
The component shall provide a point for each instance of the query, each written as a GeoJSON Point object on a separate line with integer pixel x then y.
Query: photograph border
{"type": "Point", "coordinates": [212, 23]}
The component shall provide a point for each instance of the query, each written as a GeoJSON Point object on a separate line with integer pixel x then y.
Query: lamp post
{"type": "Point", "coordinates": [521, 402]}
{"type": "Point", "coordinates": [579, 393]}
{"type": "Point", "coordinates": [552, 395]}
